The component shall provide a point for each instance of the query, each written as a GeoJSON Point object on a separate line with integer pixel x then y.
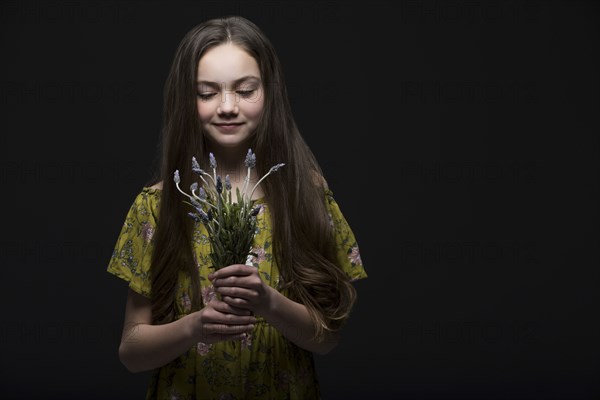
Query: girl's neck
{"type": "Point", "coordinates": [231, 162]}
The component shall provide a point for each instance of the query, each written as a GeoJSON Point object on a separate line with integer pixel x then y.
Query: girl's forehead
{"type": "Point", "coordinates": [226, 63]}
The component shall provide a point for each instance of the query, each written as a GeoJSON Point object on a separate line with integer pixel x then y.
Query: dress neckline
{"type": "Point", "coordinates": [157, 191]}
{"type": "Point", "coordinates": [258, 200]}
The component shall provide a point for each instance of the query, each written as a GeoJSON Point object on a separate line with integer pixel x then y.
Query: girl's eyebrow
{"type": "Point", "coordinates": [236, 82]}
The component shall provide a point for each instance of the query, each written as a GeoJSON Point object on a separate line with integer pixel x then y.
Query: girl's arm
{"type": "Point", "coordinates": [293, 321]}
{"type": "Point", "coordinates": [144, 346]}
{"type": "Point", "coordinates": [241, 286]}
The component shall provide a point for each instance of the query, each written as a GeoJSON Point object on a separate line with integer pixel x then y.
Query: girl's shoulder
{"type": "Point", "coordinates": [319, 180]}
{"type": "Point", "coordinates": [158, 186]}
{"type": "Point", "coordinates": [153, 191]}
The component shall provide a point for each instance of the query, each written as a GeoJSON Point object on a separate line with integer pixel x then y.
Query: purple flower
{"type": "Point", "coordinates": [354, 256]}
{"type": "Point", "coordinates": [250, 161]}
{"type": "Point", "coordinates": [227, 183]}
{"type": "Point", "coordinates": [196, 167]}
{"type": "Point", "coordinates": [247, 341]}
{"type": "Point", "coordinates": [196, 203]}
{"type": "Point", "coordinates": [208, 294]}
{"type": "Point", "coordinates": [201, 216]}
{"type": "Point", "coordinates": [176, 176]}
{"type": "Point", "coordinates": [213, 161]}
{"type": "Point", "coordinates": [203, 348]}
{"type": "Point", "coordinates": [261, 255]}
{"type": "Point", "coordinates": [273, 169]}
{"type": "Point", "coordinates": [194, 216]}
{"type": "Point", "coordinates": [147, 232]}
{"type": "Point", "coordinates": [276, 167]}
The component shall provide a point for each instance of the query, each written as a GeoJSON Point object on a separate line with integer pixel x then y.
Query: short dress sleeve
{"type": "Point", "coordinates": [347, 247]}
{"type": "Point", "coordinates": [132, 254]}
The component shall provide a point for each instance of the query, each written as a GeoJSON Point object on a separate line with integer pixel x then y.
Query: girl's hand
{"type": "Point", "coordinates": [219, 321]}
{"type": "Point", "coordinates": [241, 286]}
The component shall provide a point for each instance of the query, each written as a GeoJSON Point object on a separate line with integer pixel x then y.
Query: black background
{"type": "Point", "coordinates": [460, 139]}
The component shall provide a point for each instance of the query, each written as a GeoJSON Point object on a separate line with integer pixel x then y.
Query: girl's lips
{"type": "Point", "coordinates": [228, 127]}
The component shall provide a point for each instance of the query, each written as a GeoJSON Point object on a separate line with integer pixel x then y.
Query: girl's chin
{"type": "Point", "coordinates": [230, 140]}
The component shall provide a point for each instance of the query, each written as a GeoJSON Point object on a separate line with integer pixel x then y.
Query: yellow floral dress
{"type": "Point", "coordinates": [265, 365]}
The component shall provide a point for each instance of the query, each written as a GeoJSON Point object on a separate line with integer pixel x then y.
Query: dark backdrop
{"type": "Point", "coordinates": [460, 139]}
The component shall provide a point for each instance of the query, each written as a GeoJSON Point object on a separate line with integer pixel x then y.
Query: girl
{"type": "Point", "coordinates": [225, 94]}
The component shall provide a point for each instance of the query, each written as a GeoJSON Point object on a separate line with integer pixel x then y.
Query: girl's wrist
{"type": "Point", "coordinates": [272, 298]}
{"type": "Point", "coordinates": [189, 325]}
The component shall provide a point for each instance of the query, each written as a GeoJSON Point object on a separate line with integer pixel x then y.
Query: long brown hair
{"type": "Point", "coordinates": [303, 242]}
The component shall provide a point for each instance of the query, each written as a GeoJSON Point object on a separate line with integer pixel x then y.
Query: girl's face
{"type": "Point", "coordinates": [230, 95]}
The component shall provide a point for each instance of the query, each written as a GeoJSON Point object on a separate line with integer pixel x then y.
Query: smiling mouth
{"type": "Point", "coordinates": [227, 128]}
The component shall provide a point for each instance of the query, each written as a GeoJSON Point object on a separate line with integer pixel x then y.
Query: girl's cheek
{"type": "Point", "coordinates": [254, 109]}
{"type": "Point", "coordinates": [203, 112]}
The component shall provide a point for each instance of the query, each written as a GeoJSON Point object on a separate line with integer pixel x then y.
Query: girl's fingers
{"type": "Point", "coordinates": [232, 319]}
{"type": "Point", "coordinates": [248, 281]}
{"type": "Point", "coordinates": [235, 269]}
{"type": "Point", "coordinates": [239, 292]}
{"type": "Point", "coordinates": [222, 338]}
{"type": "Point", "coordinates": [236, 301]}
{"type": "Point", "coordinates": [223, 307]}
{"type": "Point", "coordinates": [211, 329]}
{"type": "Point", "coordinates": [216, 316]}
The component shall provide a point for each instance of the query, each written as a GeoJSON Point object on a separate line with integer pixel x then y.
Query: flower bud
{"type": "Point", "coordinates": [255, 211]}
{"type": "Point", "coordinates": [250, 161]}
{"type": "Point", "coordinates": [219, 184]}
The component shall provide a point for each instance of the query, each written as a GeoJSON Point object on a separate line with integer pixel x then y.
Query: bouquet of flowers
{"type": "Point", "coordinates": [231, 226]}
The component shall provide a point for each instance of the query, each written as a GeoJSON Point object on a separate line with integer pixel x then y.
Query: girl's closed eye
{"type": "Point", "coordinates": [243, 93]}
{"type": "Point", "coordinates": [246, 93]}
{"type": "Point", "coordinates": [206, 96]}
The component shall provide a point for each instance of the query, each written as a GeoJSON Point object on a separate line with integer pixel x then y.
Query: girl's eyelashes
{"type": "Point", "coordinates": [206, 96]}
{"type": "Point", "coordinates": [246, 93]}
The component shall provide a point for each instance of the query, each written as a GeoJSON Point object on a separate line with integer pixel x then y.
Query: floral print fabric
{"type": "Point", "coordinates": [265, 365]}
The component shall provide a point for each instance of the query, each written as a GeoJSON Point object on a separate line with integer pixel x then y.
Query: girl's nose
{"type": "Point", "coordinates": [228, 102]}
